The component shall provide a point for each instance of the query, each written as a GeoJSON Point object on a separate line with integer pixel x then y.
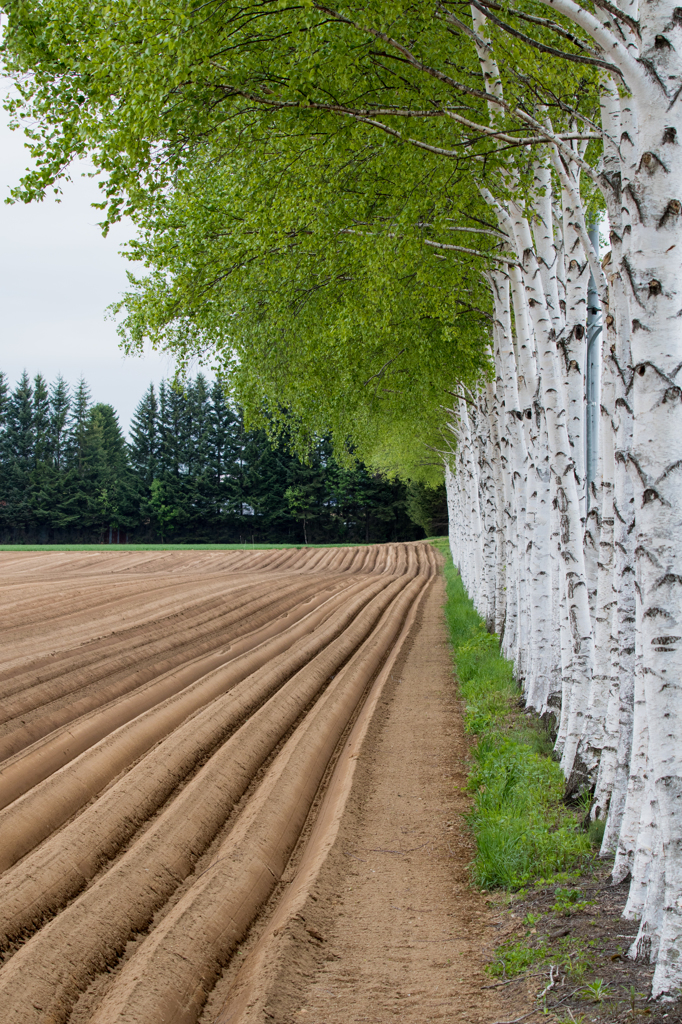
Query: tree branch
{"type": "Point", "coordinates": [562, 54]}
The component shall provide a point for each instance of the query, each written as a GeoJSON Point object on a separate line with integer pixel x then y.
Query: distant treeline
{"type": "Point", "coordinates": [190, 472]}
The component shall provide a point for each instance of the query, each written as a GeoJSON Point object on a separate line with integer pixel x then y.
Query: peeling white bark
{"type": "Point", "coordinates": [590, 607]}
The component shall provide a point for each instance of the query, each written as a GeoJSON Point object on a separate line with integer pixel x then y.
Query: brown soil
{"type": "Point", "coordinates": [391, 928]}
{"type": "Point", "coordinates": [240, 780]}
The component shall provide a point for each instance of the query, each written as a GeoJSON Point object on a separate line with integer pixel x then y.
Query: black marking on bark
{"type": "Point", "coordinates": [670, 394]}
{"type": "Point", "coordinates": [672, 210]}
{"type": "Point", "coordinates": [670, 469]}
{"type": "Point", "coordinates": [651, 162]}
{"type": "Point", "coordinates": [654, 612]}
{"type": "Point", "coordinates": [661, 43]}
{"type": "Point", "coordinates": [670, 136]}
{"type": "Point", "coordinates": [651, 494]}
{"type": "Point", "coordinates": [655, 288]}
{"type": "Point", "coordinates": [637, 325]}
{"type": "Point", "coordinates": [631, 279]}
{"type": "Point", "coordinates": [638, 206]}
{"type": "Point", "coordinates": [665, 641]}
{"type": "Point", "coordinates": [653, 73]}
{"type": "Point", "coordinates": [642, 476]}
{"type": "Point", "coordinates": [621, 372]}
{"type": "Point", "coordinates": [641, 367]}
{"type": "Point", "coordinates": [667, 580]}
{"type": "Point", "coordinates": [675, 98]}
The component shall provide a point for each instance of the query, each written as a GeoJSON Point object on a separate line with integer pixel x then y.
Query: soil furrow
{"type": "Point", "coordinates": [42, 759]}
{"type": "Point", "coordinates": [170, 976]}
{"type": "Point", "coordinates": [114, 679]}
{"type": "Point", "coordinates": [167, 719]}
{"type": "Point", "coordinates": [60, 960]}
{"type": "Point", "coordinates": [33, 816]}
{"type": "Point", "coordinates": [193, 606]}
{"type": "Point", "coordinates": [257, 980]}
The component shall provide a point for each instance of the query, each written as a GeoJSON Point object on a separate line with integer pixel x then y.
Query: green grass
{"type": "Point", "coordinates": [573, 955]}
{"type": "Point", "coordinates": [523, 830]}
{"type": "Point", "coordinates": [168, 547]}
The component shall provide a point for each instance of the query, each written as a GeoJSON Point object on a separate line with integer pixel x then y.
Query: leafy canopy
{"type": "Point", "coordinates": [306, 182]}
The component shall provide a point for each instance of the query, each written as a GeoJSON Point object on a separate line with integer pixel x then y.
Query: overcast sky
{"type": "Point", "coordinates": [57, 276]}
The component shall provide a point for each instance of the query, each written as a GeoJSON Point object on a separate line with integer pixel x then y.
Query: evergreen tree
{"type": "Point", "coordinates": [44, 479]}
{"type": "Point", "coordinates": [41, 420]}
{"type": "Point", "coordinates": [196, 443]}
{"type": "Point", "coordinates": [224, 460]}
{"type": "Point", "coordinates": [169, 495]}
{"type": "Point", "coordinates": [19, 455]}
{"type": "Point", "coordinates": [60, 403]}
{"type": "Point", "coordinates": [4, 455]}
{"type": "Point", "coordinates": [108, 484]}
{"type": "Point", "coordinates": [144, 433]}
{"type": "Point", "coordinates": [267, 475]}
{"type": "Point", "coordinates": [428, 506]}
{"type": "Point", "coordinates": [306, 495]}
{"type": "Point", "coordinates": [4, 399]}
{"type": "Point", "coordinates": [191, 471]}
{"type": "Point", "coordinates": [77, 426]}
{"type": "Point", "coordinates": [20, 433]}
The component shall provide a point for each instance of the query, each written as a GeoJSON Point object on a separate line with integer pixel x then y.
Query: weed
{"type": "Point", "coordinates": [634, 995]}
{"type": "Point", "coordinates": [575, 957]}
{"type": "Point", "coordinates": [568, 902]}
{"type": "Point", "coordinates": [597, 991]}
{"type": "Point", "coordinates": [515, 957]}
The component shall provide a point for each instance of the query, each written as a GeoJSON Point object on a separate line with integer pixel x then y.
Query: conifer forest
{"type": "Point", "coordinates": [190, 472]}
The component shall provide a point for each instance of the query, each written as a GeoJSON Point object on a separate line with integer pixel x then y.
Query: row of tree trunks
{"type": "Point", "coordinates": [583, 579]}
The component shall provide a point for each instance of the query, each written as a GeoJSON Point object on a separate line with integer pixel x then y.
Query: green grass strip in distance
{"type": "Point", "coordinates": [169, 547]}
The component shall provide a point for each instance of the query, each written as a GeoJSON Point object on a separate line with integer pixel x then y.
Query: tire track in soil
{"type": "Point", "coordinates": [143, 859]}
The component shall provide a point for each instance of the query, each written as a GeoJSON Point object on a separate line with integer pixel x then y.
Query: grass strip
{"type": "Point", "coordinates": [523, 830]}
{"type": "Point", "coordinates": [198, 546]}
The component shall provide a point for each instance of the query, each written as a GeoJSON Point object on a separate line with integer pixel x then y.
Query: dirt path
{"type": "Point", "coordinates": [409, 937]}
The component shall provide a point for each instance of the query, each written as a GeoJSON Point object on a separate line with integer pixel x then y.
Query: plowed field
{"type": "Point", "coordinates": [168, 723]}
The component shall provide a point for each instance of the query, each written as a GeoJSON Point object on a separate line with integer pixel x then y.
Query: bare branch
{"type": "Point", "coordinates": [564, 55]}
